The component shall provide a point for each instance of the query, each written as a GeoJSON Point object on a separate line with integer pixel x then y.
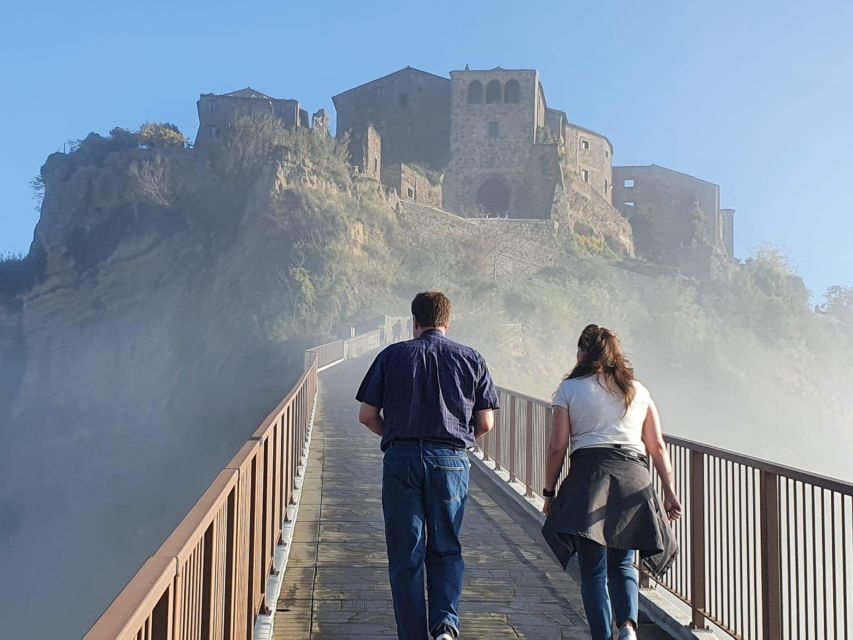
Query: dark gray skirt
{"type": "Point", "coordinates": [608, 497]}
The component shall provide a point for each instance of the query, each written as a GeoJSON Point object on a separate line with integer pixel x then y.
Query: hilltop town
{"type": "Point", "coordinates": [485, 144]}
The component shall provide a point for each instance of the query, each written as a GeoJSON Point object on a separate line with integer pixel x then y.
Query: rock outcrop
{"type": "Point", "coordinates": [162, 323]}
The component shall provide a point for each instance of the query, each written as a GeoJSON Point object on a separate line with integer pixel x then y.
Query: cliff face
{"type": "Point", "coordinates": [164, 321]}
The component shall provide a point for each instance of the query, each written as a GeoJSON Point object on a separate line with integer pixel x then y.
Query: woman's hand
{"type": "Point", "coordinates": [546, 508]}
{"type": "Point", "coordinates": [672, 505]}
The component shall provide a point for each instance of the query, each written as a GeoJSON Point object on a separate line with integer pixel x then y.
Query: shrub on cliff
{"type": "Point", "coordinates": [255, 141]}
{"type": "Point", "coordinates": [159, 135]}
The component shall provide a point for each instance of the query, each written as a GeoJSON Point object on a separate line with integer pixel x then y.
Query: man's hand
{"type": "Point", "coordinates": [546, 508]}
{"type": "Point", "coordinates": [371, 417]}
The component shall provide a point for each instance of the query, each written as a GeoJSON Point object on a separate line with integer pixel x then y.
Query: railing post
{"type": "Point", "coordinates": [771, 557]}
{"type": "Point", "coordinates": [497, 451]}
{"type": "Point", "coordinates": [698, 602]}
{"type": "Point", "coordinates": [528, 450]}
{"type": "Point", "coordinates": [513, 427]}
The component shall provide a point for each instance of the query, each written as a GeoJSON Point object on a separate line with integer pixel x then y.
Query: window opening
{"type": "Point", "coordinates": [493, 92]}
{"type": "Point", "coordinates": [511, 91]}
{"type": "Point", "coordinates": [475, 92]}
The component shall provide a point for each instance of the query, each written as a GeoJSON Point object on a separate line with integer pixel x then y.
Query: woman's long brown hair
{"type": "Point", "coordinates": [602, 356]}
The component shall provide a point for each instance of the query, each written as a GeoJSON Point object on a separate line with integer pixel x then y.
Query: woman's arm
{"type": "Point", "coordinates": [561, 431]}
{"type": "Point", "coordinates": [653, 439]}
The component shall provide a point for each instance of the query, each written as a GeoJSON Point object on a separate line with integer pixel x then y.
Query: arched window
{"type": "Point", "coordinates": [511, 91]}
{"type": "Point", "coordinates": [493, 92]}
{"type": "Point", "coordinates": [475, 92]}
{"type": "Point", "coordinates": [493, 197]}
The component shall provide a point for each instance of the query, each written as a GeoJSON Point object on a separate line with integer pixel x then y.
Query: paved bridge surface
{"type": "Point", "coordinates": [336, 583]}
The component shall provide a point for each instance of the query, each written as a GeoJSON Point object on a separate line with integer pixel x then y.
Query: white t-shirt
{"type": "Point", "coordinates": [598, 417]}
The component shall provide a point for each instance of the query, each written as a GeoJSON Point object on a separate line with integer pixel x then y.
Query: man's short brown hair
{"type": "Point", "coordinates": [431, 309]}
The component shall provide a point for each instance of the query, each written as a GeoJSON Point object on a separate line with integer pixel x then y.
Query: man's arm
{"type": "Point", "coordinates": [371, 395]}
{"type": "Point", "coordinates": [371, 417]}
{"type": "Point", "coordinates": [484, 421]}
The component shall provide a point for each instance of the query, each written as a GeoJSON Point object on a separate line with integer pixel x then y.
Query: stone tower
{"type": "Point", "coordinates": [498, 164]}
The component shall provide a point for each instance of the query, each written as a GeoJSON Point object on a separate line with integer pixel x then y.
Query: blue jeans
{"type": "Point", "coordinates": [424, 490]}
{"type": "Point", "coordinates": [607, 575]}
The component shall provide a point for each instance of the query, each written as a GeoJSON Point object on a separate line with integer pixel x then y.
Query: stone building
{"type": "Point", "coordinates": [672, 213]}
{"type": "Point", "coordinates": [217, 112]}
{"type": "Point", "coordinates": [411, 184]}
{"type": "Point", "coordinates": [497, 165]}
{"type": "Point", "coordinates": [365, 150]}
{"type": "Point", "coordinates": [486, 143]}
{"type": "Point", "coordinates": [497, 147]}
{"type": "Point", "coordinates": [410, 110]}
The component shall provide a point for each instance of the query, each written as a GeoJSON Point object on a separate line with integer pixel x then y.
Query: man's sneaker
{"type": "Point", "coordinates": [627, 632]}
{"type": "Point", "coordinates": [447, 636]}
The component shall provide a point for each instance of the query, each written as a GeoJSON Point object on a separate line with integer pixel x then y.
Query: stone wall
{"type": "Point", "coordinates": [217, 112]}
{"type": "Point", "coordinates": [517, 245]}
{"type": "Point", "coordinates": [412, 185]}
{"type": "Point", "coordinates": [592, 215]}
{"type": "Point", "coordinates": [320, 122]}
{"type": "Point", "coordinates": [410, 110]}
{"type": "Point", "coordinates": [589, 156]}
{"type": "Point", "coordinates": [366, 152]}
{"type": "Point", "coordinates": [668, 210]}
{"type": "Point", "coordinates": [727, 230]}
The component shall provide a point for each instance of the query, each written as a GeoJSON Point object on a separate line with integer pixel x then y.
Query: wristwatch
{"type": "Point", "coordinates": [549, 493]}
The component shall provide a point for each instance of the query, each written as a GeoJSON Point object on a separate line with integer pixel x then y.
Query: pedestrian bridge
{"type": "Point", "coordinates": [288, 542]}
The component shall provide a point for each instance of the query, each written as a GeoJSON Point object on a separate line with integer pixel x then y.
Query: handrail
{"type": "Point", "coordinates": [209, 577]}
{"type": "Point", "coordinates": [766, 550]}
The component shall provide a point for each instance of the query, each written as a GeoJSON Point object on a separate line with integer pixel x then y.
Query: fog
{"type": "Point", "coordinates": [113, 427]}
{"type": "Point", "coordinates": [155, 337]}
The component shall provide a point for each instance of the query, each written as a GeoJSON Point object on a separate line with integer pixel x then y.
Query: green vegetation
{"type": "Point", "coordinates": [593, 246]}
{"type": "Point", "coordinates": [153, 135]}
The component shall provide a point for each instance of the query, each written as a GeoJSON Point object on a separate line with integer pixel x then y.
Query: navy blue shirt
{"type": "Point", "coordinates": [429, 388]}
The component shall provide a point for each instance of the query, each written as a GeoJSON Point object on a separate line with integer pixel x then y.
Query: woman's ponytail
{"type": "Point", "coordinates": [603, 356]}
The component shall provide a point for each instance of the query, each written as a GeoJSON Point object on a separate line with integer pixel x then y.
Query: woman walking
{"type": "Point", "coordinates": [607, 508]}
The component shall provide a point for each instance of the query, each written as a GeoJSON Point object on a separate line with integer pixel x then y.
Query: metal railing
{"type": "Point", "coordinates": [208, 579]}
{"type": "Point", "coordinates": [327, 354]}
{"type": "Point", "coordinates": [364, 343]}
{"type": "Point", "coordinates": [766, 550]}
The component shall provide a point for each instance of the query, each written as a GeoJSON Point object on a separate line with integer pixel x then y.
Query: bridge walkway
{"type": "Point", "coordinates": [336, 584]}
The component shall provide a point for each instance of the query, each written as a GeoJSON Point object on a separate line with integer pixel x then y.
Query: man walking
{"type": "Point", "coordinates": [428, 398]}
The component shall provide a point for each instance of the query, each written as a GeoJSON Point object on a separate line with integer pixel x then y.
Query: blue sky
{"type": "Point", "coordinates": [755, 96]}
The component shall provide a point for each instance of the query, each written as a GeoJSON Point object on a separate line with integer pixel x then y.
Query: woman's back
{"type": "Point", "coordinates": [598, 417]}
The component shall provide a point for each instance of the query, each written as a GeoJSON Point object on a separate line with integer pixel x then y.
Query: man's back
{"type": "Point", "coordinates": [429, 388]}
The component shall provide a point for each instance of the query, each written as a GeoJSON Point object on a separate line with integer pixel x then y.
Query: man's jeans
{"type": "Point", "coordinates": [424, 490]}
{"type": "Point", "coordinates": [607, 575]}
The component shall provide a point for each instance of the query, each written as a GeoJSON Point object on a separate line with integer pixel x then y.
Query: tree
{"type": "Point", "coordinates": [159, 135]}
{"type": "Point", "coordinates": [153, 180]}
{"type": "Point", "coordinates": [838, 302]}
{"type": "Point", "coordinates": [37, 185]}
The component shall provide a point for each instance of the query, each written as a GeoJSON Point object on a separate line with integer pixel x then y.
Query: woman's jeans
{"type": "Point", "coordinates": [607, 576]}
{"type": "Point", "coordinates": [424, 490]}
